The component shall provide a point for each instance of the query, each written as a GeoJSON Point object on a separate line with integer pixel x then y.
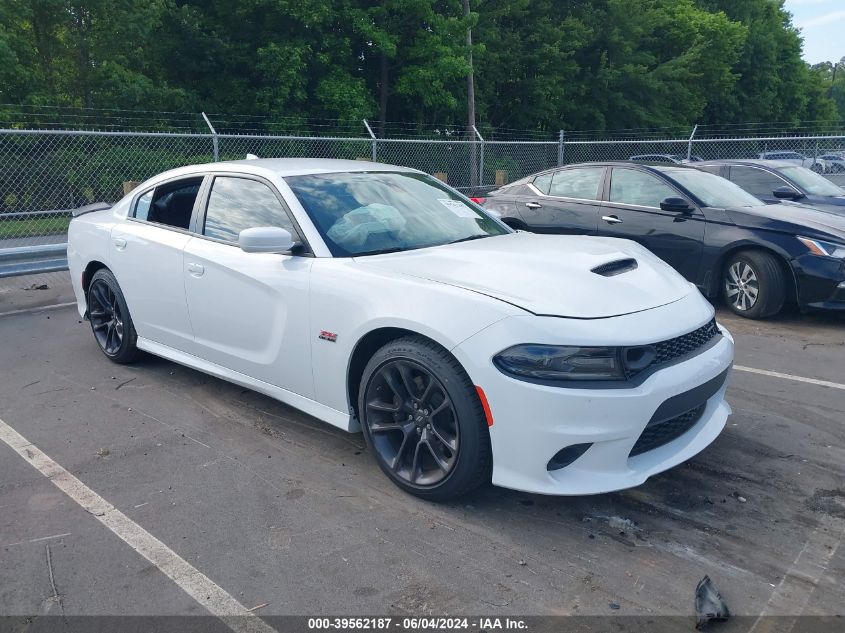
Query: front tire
{"type": "Point", "coordinates": [754, 284]}
{"type": "Point", "coordinates": [423, 420]}
{"type": "Point", "coordinates": [110, 319]}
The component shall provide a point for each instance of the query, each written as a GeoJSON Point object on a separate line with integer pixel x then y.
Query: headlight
{"type": "Point", "coordinates": [552, 362]}
{"type": "Point", "coordinates": [818, 247]}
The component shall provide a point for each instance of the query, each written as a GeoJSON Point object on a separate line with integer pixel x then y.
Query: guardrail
{"type": "Point", "coordinates": [27, 260]}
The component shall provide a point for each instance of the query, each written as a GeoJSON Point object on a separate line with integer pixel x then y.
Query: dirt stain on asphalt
{"type": "Point", "coordinates": [830, 502]}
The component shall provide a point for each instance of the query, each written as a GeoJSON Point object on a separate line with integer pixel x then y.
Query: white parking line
{"type": "Point", "coordinates": [192, 581]}
{"type": "Point", "coordinates": [775, 374]}
{"type": "Point", "coordinates": [793, 592]}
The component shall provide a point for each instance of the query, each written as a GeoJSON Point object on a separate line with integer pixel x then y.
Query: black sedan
{"type": "Point", "coordinates": [718, 236]}
{"type": "Point", "coordinates": [774, 181]}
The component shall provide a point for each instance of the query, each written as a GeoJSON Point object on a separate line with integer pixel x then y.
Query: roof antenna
{"type": "Point", "coordinates": [251, 157]}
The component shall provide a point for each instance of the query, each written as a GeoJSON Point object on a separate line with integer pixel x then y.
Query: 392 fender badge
{"type": "Point", "coordinates": [331, 337]}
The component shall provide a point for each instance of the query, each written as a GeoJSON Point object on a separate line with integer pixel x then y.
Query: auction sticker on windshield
{"type": "Point", "coordinates": [458, 208]}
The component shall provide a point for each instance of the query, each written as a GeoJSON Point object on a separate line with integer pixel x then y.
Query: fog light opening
{"type": "Point", "coordinates": [566, 456]}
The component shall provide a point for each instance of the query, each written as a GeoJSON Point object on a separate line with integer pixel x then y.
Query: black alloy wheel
{"type": "Point", "coordinates": [110, 320]}
{"type": "Point", "coordinates": [412, 422]}
{"type": "Point", "coordinates": [106, 318]}
{"type": "Point", "coordinates": [423, 420]}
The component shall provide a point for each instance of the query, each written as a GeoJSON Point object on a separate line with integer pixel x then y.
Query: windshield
{"type": "Point", "coordinates": [365, 213]}
{"type": "Point", "coordinates": [713, 190]}
{"type": "Point", "coordinates": [811, 182]}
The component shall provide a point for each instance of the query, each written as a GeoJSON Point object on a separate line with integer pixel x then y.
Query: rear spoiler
{"type": "Point", "coordinates": [91, 208]}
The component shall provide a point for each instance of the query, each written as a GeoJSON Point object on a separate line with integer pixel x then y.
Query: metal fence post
{"type": "Point", "coordinates": [560, 149]}
{"type": "Point", "coordinates": [214, 140]}
{"type": "Point", "coordinates": [375, 140]}
{"type": "Point", "coordinates": [689, 143]}
{"type": "Point", "coordinates": [481, 157]}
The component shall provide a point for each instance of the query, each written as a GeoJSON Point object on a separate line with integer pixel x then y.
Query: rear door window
{"type": "Point", "coordinates": [170, 204]}
{"type": "Point", "coordinates": [582, 183]}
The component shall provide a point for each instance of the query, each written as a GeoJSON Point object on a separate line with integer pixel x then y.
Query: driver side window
{"type": "Point", "coordinates": [628, 186]}
{"type": "Point", "coordinates": [755, 181]}
{"type": "Point", "coordinates": [236, 204]}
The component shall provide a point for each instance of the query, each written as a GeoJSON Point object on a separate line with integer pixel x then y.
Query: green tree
{"type": "Point", "coordinates": [775, 84]}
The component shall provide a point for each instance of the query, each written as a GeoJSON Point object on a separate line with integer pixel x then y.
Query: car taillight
{"type": "Point", "coordinates": [479, 200]}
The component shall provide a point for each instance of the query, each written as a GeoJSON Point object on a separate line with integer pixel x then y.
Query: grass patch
{"type": "Point", "coordinates": [33, 227]}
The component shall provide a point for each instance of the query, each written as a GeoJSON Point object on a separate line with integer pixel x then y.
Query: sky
{"type": "Point", "coordinates": [822, 23]}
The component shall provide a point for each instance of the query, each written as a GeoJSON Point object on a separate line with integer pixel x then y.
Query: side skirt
{"type": "Point", "coordinates": [311, 407]}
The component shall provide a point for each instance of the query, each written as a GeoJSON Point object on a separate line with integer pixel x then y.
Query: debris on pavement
{"type": "Point", "coordinates": [614, 605]}
{"type": "Point", "coordinates": [709, 605]}
{"type": "Point", "coordinates": [738, 497]}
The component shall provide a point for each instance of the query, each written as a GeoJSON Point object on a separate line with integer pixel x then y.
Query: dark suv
{"type": "Point", "coordinates": [715, 234]}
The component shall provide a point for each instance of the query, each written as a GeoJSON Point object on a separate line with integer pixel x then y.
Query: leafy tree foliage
{"type": "Point", "coordinates": [539, 64]}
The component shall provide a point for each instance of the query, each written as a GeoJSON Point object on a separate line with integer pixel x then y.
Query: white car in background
{"type": "Point", "coordinates": [835, 163]}
{"type": "Point", "coordinates": [816, 164]}
{"type": "Point", "coordinates": [376, 297]}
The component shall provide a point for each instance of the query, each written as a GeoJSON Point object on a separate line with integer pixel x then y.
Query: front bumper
{"type": "Point", "coordinates": [821, 282]}
{"type": "Point", "coordinates": [533, 422]}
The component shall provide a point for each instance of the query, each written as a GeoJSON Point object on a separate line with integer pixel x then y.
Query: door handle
{"type": "Point", "coordinates": [197, 270]}
{"type": "Point", "coordinates": [611, 219]}
{"type": "Point", "coordinates": [533, 205]}
{"type": "Point", "coordinates": [119, 243]}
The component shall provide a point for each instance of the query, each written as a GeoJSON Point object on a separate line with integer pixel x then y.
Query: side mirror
{"type": "Point", "coordinates": [266, 239]}
{"type": "Point", "coordinates": [676, 205]}
{"type": "Point", "coordinates": [787, 193]}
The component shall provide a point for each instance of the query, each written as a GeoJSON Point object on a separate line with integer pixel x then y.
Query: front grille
{"type": "Point", "coordinates": [639, 358]}
{"type": "Point", "coordinates": [681, 345]}
{"type": "Point", "coordinates": [659, 433]}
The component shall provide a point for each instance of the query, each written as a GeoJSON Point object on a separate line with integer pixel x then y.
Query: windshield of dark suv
{"type": "Point", "coordinates": [367, 213]}
{"type": "Point", "coordinates": [712, 190]}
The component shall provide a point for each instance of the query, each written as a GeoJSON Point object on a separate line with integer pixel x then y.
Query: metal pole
{"type": "Point", "coordinates": [213, 138]}
{"type": "Point", "coordinates": [481, 157]}
{"type": "Point", "coordinates": [560, 150]}
{"type": "Point", "coordinates": [375, 140]}
{"type": "Point", "coordinates": [473, 165]}
{"type": "Point", "coordinates": [689, 143]}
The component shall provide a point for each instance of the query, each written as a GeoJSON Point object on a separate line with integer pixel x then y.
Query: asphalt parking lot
{"type": "Point", "coordinates": [288, 516]}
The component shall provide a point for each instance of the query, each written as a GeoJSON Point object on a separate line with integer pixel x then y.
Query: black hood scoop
{"type": "Point", "coordinates": [616, 267]}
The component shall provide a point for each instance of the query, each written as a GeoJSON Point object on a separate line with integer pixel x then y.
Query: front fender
{"type": "Point", "coordinates": [348, 301]}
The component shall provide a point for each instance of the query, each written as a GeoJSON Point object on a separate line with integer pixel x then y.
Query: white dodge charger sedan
{"type": "Point", "coordinates": [375, 297]}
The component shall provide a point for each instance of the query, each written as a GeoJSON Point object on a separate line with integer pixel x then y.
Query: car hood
{"type": "Point", "coordinates": [545, 274]}
{"type": "Point", "coordinates": [791, 217]}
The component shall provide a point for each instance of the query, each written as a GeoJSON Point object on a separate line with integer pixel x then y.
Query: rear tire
{"type": "Point", "coordinates": [110, 319]}
{"type": "Point", "coordinates": [423, 420]}
{"type": "Point", "coordinates": [754, 284]}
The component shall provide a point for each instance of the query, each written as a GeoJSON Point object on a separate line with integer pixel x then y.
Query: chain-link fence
{"type": "Point", "coordinates": [823, 154]}
{"type": "Point", "coordinates": [45, 173]}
